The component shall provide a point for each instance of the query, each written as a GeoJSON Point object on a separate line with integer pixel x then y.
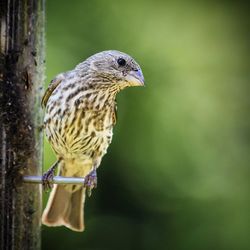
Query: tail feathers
{"type": "Point", "coordinates": [65, 208]}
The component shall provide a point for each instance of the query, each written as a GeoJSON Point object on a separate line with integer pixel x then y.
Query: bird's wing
{"type": "Point", "coordinates": [53, 84]}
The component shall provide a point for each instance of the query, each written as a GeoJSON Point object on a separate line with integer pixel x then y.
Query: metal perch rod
{"type": "Point", "coordinates": [55, 180]}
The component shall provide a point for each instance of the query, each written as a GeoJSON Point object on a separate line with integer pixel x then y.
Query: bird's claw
{"type": "Point", "coordinates": [90, 182]}
{"type": "Point", "coordinates": [47, 180]}
{"type": "Point", "coordinates": [48, 176]}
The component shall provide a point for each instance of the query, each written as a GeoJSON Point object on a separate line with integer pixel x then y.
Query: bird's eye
{"type": "Point", "coordinates": [121, 61]}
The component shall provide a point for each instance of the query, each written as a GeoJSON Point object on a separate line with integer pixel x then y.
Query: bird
{"type": "Point", "coordinates": [80, 113]}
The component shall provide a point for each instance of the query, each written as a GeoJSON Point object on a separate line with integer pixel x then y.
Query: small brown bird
{"type": "Point", "coordinates": [80, 112]}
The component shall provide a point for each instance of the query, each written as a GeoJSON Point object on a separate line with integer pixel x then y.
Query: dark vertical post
{"type": "Point", "coordinates": [21, 81]}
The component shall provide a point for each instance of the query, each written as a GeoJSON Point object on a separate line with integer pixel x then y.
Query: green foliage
{"type": "Point", "coordinates": [177, 173]}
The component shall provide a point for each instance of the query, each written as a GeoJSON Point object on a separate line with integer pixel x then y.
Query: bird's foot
{"type": "Point", "coordinates": [90, 181]}
{"type": "Point", "coordinates": [48, 176]}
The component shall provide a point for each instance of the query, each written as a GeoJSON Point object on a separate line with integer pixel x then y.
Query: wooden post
{"type": "Point", "coordinates": [21, 81]}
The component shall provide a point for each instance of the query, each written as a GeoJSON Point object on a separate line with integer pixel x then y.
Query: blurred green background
{"type": "Point", "coordinates": [176, 175]}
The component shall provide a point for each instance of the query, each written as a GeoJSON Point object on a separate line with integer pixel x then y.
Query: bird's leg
{"type": "Point", "coordinates": [90, 181]}
{"type": "Point", "coordinates": [48, 177]}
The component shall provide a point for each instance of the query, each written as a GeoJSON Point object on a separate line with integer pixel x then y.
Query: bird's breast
{"type": "Point", "coordinates": [76, 130]}
{"type": "Point", "coordinates": [79, 120]}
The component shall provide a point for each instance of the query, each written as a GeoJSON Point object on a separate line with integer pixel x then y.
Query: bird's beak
{"type": "Point", "coordinates": [135, 78]}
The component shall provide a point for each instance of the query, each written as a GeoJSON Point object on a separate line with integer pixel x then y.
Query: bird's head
{"type": "Point", "coordinates": [113, 68]}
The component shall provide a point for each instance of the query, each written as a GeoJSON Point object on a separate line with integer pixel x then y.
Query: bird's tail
{"type": "Point", "coordinates": [65, 208]}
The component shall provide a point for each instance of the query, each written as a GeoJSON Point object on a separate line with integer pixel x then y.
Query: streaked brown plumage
{"type": "Point", "coordinates": [80, 112]}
